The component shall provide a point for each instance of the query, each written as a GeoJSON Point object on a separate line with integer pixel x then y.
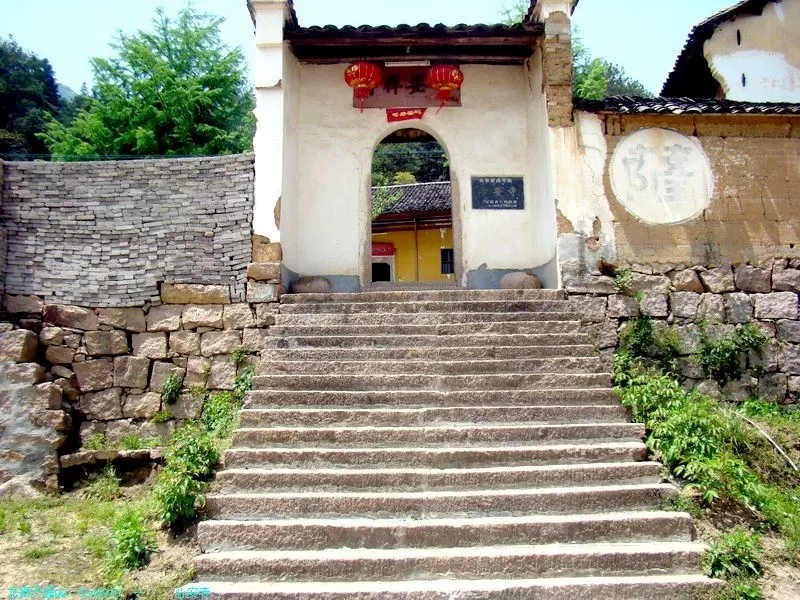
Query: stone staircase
{"type": "Point", "coordinates": [439, 445]}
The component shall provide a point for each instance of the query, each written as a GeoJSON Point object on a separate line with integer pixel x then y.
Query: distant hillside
{"type": "Point", "coordinates": [65, 92]}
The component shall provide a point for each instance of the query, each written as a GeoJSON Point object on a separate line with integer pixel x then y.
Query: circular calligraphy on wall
{"type": "Point", "coordinates": [661, 176]}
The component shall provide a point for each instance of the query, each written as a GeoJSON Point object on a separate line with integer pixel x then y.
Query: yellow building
{"type": "Point", "coordinates": [412, 238]}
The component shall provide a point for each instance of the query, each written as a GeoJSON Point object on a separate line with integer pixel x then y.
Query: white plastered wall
{"type": "Point", "coordinates": [499, 130]}
{"type": "Point", "coordinates": [765, 66]}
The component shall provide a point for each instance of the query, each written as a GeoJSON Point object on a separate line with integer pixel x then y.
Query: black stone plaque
{"type": "Point", "coordinates": [498, 193]}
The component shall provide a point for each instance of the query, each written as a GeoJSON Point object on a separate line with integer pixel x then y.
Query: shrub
{"type": "Point", "coordinates": [132, 541]}
{"type": "Point", "coordinates": [239, 355]}
{"type": "Point", "coordinates": [105, 487]}
{"type": "Point", "coordinates": [171, 389]}
{"type": "Point", "coordinates": [220, 414]}
{"type": "Point", "coordinates": [641, 345]}
{"type": "Point", "coordinates": [162, 416]}
{"type": "Point", "coordinates": [734, 555]}
{"type": "Point", "coordinates": [243, 384]}
{"type": "Point", "coordinates": [725, 358]}
{"type": "Point", "coordinates": [178, 495]}
{"type": "Point", "coordinates": [622, 281]}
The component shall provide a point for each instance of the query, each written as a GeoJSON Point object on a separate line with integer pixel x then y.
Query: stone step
{"type": "Point", "coordinates": [653, 587]}
{"type": "Point", "coordinates": [485, 382]}
{"type": "Point", "coordinates": [422, 479]}
{"type": "Point", "coordinates": [426, 341]}
{"type": "Point", "coordinates": [430, 353]}
{"type": "Point", "coordinates": [428, 398]}
{"type": "Point", "coordinates": [433, 318]}
{"type": "Point", "coordinates": [423, 295]}
{"type": "Point", "coordinates": [478, 456]}
{"type": "Point", "coordinates": [347, 564]}
{"type": "Point", "coordinates": [407, 417]}
{"type": "Point", "coordinates": [427, 306]}
{"type": "Point", "coordinates": [319, 534]}
{"type": "Point", "coordinates": [587, 364]}
{"type": "Point", "coordinates": [446, 435]}
{"type": "Point", "coordinates": [443, 329]}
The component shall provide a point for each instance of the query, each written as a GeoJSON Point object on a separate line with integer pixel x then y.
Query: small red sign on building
{"type": "Point", "coordinates": [382, 249]}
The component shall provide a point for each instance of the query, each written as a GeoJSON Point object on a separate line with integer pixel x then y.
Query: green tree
{"type": "Point", "coordinates": [28, 99]}
{"type": "Point", "coordinates": [594, 78]}
{"type": "Point", "coordinates": [177, 90]}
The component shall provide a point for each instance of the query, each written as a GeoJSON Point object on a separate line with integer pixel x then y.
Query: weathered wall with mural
{"type": "Point", "coordinates": [108, 233]}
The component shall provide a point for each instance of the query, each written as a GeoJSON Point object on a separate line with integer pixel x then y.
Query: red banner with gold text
{"type": "Point", "coordinates": [404, 114]}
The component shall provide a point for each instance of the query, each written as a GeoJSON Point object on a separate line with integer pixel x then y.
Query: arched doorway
{"type": "Point", "coordinates": [412, 237]}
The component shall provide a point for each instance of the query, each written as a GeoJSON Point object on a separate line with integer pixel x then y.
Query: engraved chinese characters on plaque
{"type": "Point", "coordinates": [498, 193]}
{"type": "Point", "coordinates": [661, 176]}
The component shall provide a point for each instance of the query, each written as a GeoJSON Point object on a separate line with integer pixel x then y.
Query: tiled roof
{"type": "Point", "coordinates": [678, 106]}
{"type": "Point", "coordinates": [691, 75]}
{"type": "Point", "coordinates": [418, 198]}
{"type": "Point", "coordinates": [420, 29]}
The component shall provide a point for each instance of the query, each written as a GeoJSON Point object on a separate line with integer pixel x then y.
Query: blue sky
{"type": "Point", "coordinates": [644, 36]}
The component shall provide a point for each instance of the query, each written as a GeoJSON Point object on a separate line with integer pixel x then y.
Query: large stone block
{"type": "Point", "coordinates": [622, 306]}
{"type": "Point", "coordinates": [264, 251]}
{"type": "Point", "coordinates": [131, 371]}
{"type": "Point", "coordinates": [71, 316]}
{"type": "Point", "coordinates": [238, 316]}
{"type": "Point", "coordinates": [223, 373]}
{"type": "Point", "coordinates": [150, 345]}
{"type": "Point", "coordinates": [184, 342]}
{"type": "Point", "coordinates": [738, 308]}
{"type": "Point", "coordinates": [773, 387]}
{"type": "Point", "coordinates": [105, 343]}
{"type": "Point", "coordinates": [166, 317]}
{"type": "Point", "coordinates": [59, 355]}
{"type": "Point", "coordinates": [654, 305]}
{"type": "Point", "coordinates": [255, 340]}
{"type": "Point", "coordinates": [186, 293]}
{"type": "Point", "coordinates": [141, 406]}
{"type": "Point", "coordinates": [51, 336]}
{"type": "Point", "coordinates": [786, 280]}
{"type": "Point", "coordinates": [47, 396]}
{"type": "Point", "coordinates": [202, 316]}
{"type": "Point", "coordinates": [220, 342]}
{"type": "Point", "coordinates": [197, 371]}
{"type": "Point", "coordinates": [265, 314]}
{"type": "Point", "coordinates": [657, 284]}
{"type": "Point", "coordinates": [264, 271]}
{"type": "Point", "coordinates": [520, 281]}
{"type": "Point", "coordinates": [789, 331]}
{"type": "Point", "coordinates": [30, 373]}
{"type": "Point", "coordinates": [753, 279]}
{"type": "Point", "coordinates": [684, 304]}
{"type": "Point", "coordinates": [18, 345]}
{"type": "Point", "coordinates": [262, 292]}
{"type": "Point", "coordinates": [779, 305]}
{"type": "Point", "coordinates": [687, 281]}
{"type": "Point", "coordinates": [719, 280]}
{"type": "Point", "coordinates": [94, 375]}
{"type": "Point", "coordinates": [23, 304]}
{"type": "Point", "coordinates": [589, 284]}
{"type": "Point", "coordinates": [163, 371]}
{"type": "Point", "coordinates": [789, 361]}
{"type": "Point", "coordinates": [188, 406]}
{"type": "Point", "coordinates": [711, 308]}
{"type": "Point", "coordinates": [102, 406]}
{"type": "Point", "coordinates": [129, 319]}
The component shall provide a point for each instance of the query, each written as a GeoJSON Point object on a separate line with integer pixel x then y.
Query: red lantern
{"type": "Point", "coordinates": [445, 79]}
{"type": "Point", "coordinates": [363, 77]}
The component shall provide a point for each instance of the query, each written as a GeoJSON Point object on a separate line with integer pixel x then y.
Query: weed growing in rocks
{"type": "Point", "coordinates": [171, 390]}
{"type": "Point", "coordinates": [96, 441]}
{"type": "Point", "coordinates": [162, 416]}
{"type": "Point", "coordinates": [725, 358]}
{"type": "Point", "coordinates": [105, 487]}
{"type": "Point", "coordinates": [239, 356]}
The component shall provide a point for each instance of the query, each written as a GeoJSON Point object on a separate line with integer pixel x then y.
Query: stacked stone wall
{"type": "Point", "coordinates": [108, 234]}
{"type": "Point", "coordinates": [717, 298]}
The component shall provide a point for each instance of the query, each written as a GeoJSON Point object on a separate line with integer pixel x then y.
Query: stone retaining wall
{"type": "Point", "coordinates": [721, 297]}
{"type": "Point", "coordinates": [107, 234]}
{"type": "Point", "coordinates": [73, 372]}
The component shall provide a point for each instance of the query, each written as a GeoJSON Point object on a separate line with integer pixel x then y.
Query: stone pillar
{"type": "Point", "coordinates": [557, 59]}
{"type": "Point", "coordinates": [269, 17]}
{"type": "Point", "coordinates": [543, 8]}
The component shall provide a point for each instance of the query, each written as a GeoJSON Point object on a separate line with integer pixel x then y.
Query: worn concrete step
{"type": "Point", "coordinates": [434, 341]}
{"type": "Point", "coordinates": [433, 318]}
{"type": "Point", "coordinates": [504, 381]}
{"type": "Point", "coordinates": [408, 417]}
{"type": "Point", "coordinates": [653, 587]}
{"type": "Point", "coordinates": [447, 435]}
{"type": "Point", "coordinates": [586, 364]}
{"type": "Point", "coordinates": [422, 479]}
{"type": "Point", "coordinates": [347, 564]}
{"type": "Point", "coordinates": [424, 295]}
{"type": "Point", "coordinates": [429, 353]}
{"type": "Point", "coordinates": [477, 456]}
{"type": "Point", "coordinates": [428, 306]}
{"type": "Point", "coordinates": [429, 398]}
{"type": "Point", "coordinates": [319, 534]}
{"type": "Point", "coordinates": [441, 503]}
{"type": "Point", "coordinates": [500, 327]}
